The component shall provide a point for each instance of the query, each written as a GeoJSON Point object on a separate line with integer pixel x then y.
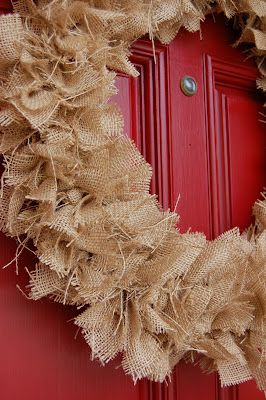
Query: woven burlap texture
{"type": "Point", "coordinates": [79, 189]}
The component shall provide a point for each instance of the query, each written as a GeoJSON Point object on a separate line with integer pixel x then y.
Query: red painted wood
{"type": "Point", "coordinates": [209, 148]}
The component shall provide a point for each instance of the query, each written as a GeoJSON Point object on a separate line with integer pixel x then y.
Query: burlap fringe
{"type": "Point", "coordinates": [80, 190]}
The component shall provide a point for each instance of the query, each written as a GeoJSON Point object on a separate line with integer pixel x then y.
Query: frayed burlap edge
{"type": "Point", "coordinates": [76, 187]}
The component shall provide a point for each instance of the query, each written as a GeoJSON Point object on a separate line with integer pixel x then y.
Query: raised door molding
{"type": "Point", "coordinates": [150, 130]}
{"type": "Point", "coordinates": [221, 79]}
{"type": "Point", "coordinates": [147, 112]}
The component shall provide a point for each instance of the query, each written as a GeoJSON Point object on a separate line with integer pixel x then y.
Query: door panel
{"type": "Point", "coordinates": [145, 103]}
{"type": "Point", "coordinates": [209, 149]}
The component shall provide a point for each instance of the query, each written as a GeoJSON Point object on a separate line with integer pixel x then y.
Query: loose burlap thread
{"type": "Point", "coordinates": [79, 189]}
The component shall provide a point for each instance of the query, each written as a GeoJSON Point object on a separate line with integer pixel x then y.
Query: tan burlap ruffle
{"type": "Point", "coordinates": [80, 190]}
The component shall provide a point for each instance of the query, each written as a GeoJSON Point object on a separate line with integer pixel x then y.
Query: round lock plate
{"type": "Point", "coordinates": [188, 85]}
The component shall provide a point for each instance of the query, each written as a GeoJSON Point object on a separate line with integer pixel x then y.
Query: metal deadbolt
{"type": "Point", "coordinates": [188, 86]}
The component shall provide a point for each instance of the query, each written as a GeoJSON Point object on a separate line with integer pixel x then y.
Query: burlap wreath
{"type": "Point", "coordinates": [80, 190]}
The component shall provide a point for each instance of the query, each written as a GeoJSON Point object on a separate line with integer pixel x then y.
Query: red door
{"type": "Point", "coordinates": [210, 149]}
